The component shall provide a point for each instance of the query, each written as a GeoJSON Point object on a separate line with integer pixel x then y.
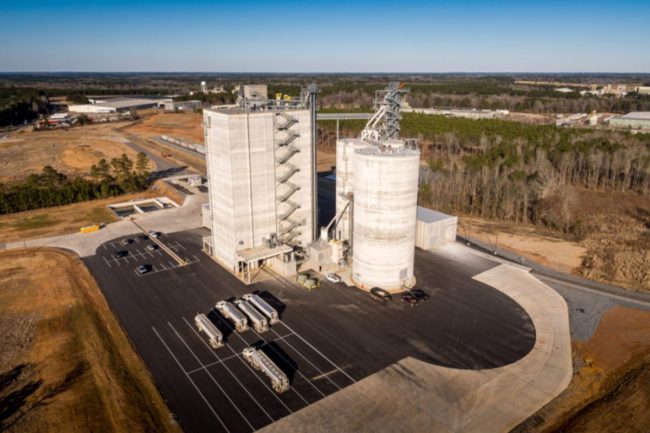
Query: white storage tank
{"type": "Point", "coordinates": [384, 215]}
{"type": "Point", "coordinates": [345, 148]}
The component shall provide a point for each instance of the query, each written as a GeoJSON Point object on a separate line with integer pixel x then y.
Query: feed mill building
{"type": "Point", "coordinates": [261, 176]}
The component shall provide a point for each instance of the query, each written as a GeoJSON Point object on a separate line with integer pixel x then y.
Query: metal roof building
{"type": "Point", "coordinates": [115, 105]}
{"type": "Point", "coordinates": [434, 229]}
{"type": "Point", "coordinates": [632, 120]}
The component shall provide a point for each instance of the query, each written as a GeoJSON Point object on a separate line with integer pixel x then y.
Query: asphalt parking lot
{"type": "Point", "coordinates": [327, 339]}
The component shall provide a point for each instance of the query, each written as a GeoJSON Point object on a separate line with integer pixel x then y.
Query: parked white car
{"type": "Point", "coordinates": [333, 278]}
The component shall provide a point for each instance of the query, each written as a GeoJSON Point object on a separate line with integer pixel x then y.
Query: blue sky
{"type": "Point", "coordinates": [333, 36]}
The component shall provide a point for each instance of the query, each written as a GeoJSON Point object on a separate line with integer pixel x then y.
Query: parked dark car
{"type": "Point", "coordinates": [126, 241]}
{"type": "Point", "coordinates": [410, 299]}
{"type": "Point", "coordinates": [121, 253]}
{"type": "Point", "coordinates": [380, 294]}
{"type": "Point", "coordinates": [420, 295]}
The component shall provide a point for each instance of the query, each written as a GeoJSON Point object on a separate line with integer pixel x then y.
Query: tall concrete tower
{"type": "Point", "coordinates": [259, 158]}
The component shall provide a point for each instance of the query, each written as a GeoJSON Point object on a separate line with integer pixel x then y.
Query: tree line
{"type": "Point", "coordinates": [51, 188]}
{"type": "Point", "coordinates": [517, 172]}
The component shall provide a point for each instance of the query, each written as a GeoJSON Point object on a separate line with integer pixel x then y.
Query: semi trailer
{"type": "Point", "coordinates": [230, 312]}
{"type": "Point", "coordinates": [215, 337]}
{"type": "Point", "coordinates": [261, 362]}
{"type": "Point", "coordinates": [259, 322]}
{"type": "Point", "coordinates": [270, 312]}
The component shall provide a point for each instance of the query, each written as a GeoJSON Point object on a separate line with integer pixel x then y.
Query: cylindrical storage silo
{"type": "Point", "coordinates": [345, 148]}
{"type": "Point", "coordinates": [384, 216]}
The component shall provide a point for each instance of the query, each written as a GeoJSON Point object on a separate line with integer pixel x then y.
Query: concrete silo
{"type": "Point", "coordinates": [384, 215]}
{"type": "Point", "coordinates": [345, 148]}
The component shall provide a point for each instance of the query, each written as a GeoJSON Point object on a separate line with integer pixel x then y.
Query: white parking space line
{"type": "Point", "coordinates": [221, 360]}
{"type": "Point", "coordinates": [211, 377]}
{"type": "Point", "coordinates": [205, 400]}
{"type": "Point", "coordinates": [308, 360]}
{"type": "Point", "coordinates": [107, 264]}
{"type": "Point", "coordinates": [229, 371]}
{"type": "Point", "coordinates": [319, 352]}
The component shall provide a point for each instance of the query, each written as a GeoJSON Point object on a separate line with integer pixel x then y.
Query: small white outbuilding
{"type": "Point", "coordinates": [434, 229]}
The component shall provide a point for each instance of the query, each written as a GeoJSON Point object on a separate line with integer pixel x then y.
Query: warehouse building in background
{"type": "Point", "coordinates": [633, 120]}
{"type": "Point", "coordinates": [185, 106]}
{"type": "Point", "coordinates": [115, 105]}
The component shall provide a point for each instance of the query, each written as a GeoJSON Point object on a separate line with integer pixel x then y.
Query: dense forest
{"type": "Point", "coordinates": [51, 188]}
{"type": "Point", "coordinates": [516, 172]}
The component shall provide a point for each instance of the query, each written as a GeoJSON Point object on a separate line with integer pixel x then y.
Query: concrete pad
{"type": "Point", "coordinates": [413, 396]}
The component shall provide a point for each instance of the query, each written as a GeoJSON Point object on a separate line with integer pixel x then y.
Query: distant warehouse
{"type": "Point", "coordinates": [115, 105]}
{"type": "Point", "coordinates": [183, 106]}
{"type": "Point", "coordinates": [633, 120]}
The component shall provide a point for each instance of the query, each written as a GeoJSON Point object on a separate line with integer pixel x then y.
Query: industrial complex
{"type": "Point", "coordinates": [263, 210]}
{"type": "Point", "coordinates": [278, 311]}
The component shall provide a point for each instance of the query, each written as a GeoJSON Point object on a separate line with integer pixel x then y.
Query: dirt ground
{"type": "Point", "coordinates": [62, 219]}
{"type": "Point", "coordinates": [65, 363]}
{"type": "Point", "coordinates": [527, 241]}
{"type": "Point", "coordinates": [325, 159]}
{"type": "Point", "coordinates": [186, 126]}
{"type": "Point", "coordinates": [614, 247]}
{"type": "Point", "coordinates": [71, 152]}
{"type": "Point", "coordinates": [610, 389]}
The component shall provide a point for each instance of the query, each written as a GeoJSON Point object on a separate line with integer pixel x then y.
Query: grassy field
{"type": "Point", "coordinates": [61, 220]}
{"type": "Point", "coordinates": [66, 364]}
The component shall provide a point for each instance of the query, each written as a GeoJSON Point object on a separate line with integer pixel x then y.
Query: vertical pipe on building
{"type": "Point", "coordinates": [314, 137]}
{"type": "Point", "coordinates": [250, 178]}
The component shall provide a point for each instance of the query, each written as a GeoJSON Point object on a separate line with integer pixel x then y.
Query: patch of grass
{"type": "Point", "coordinates": [35, 222]}
{"type": "Point", "coordinates": [100, 214]}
